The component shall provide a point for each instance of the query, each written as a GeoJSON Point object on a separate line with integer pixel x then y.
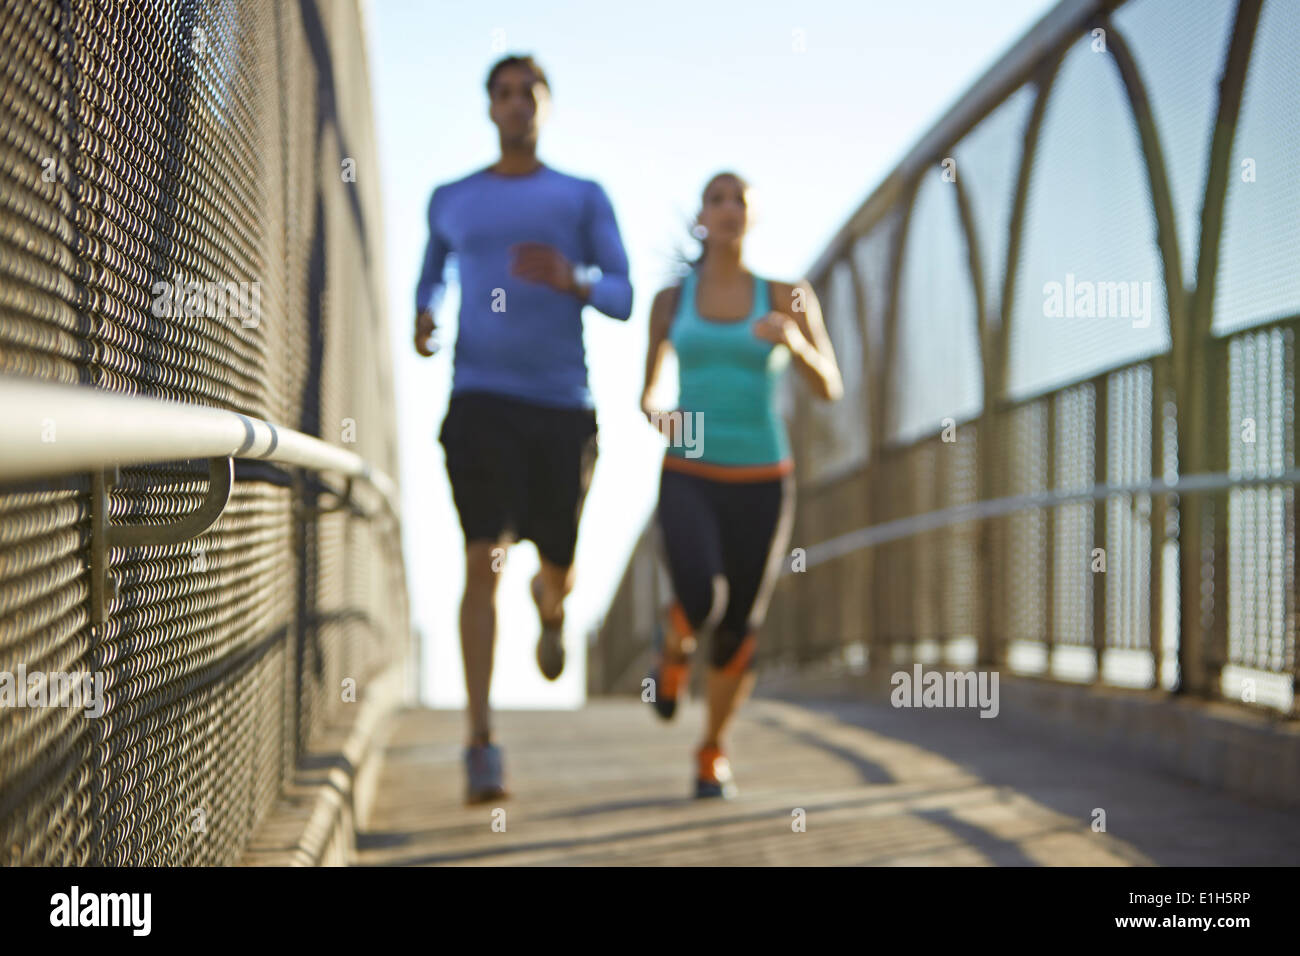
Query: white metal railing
{"type": "Point", "coordinates": [48, 429]}
{"type": "Point", "coordinates": [850, 541]}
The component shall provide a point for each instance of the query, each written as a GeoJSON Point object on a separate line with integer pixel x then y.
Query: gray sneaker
{"type": "Point", "coordinates": [550, 645]}
{"type": "Point", "coordinates": [550, 651]}
{"type": "Point", "coordinates": [484, 774]}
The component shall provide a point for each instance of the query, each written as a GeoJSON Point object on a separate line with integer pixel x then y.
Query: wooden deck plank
{"type": "Point", "coordinates": [610, 785]}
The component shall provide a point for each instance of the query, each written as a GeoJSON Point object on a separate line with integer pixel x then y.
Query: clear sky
{"type": "Point", "coordinates": [812, 102]}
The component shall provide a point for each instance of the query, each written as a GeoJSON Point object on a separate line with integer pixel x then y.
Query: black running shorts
{"type": "Point", "coordinates": [518, 470]}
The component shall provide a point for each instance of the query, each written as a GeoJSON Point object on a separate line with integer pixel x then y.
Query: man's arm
{"type": "Point", "coordinates": [612, 292]}
{"type": "Point", "coordinates": [429, 288]}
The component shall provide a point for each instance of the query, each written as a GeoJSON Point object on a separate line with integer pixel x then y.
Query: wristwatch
{"type": "Point", "coordinates": [581, 279]}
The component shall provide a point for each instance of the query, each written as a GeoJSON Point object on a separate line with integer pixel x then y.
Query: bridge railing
{"type": "Point", "coordinates": [1067, 326]}
{"type": "Point", "coordinates": [196, 419]}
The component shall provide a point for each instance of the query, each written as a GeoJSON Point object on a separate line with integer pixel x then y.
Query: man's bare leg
{"type": "Point", "coordinates": [550, 587]}
{"type": "Point", "coordinates": [478, 627]}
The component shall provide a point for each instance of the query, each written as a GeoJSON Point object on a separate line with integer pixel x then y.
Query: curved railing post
{"type": "Point", "coordinates": [1201, 396]}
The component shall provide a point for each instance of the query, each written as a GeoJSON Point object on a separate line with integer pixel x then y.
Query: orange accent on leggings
{"type": "Point", "coordinates": [706, 759]}
{"type": "Point", "coordinates": [673, 674]}
{"type": "Point", "coordinates": [681, 623]}
{"type": "Point", "coordinates": [690, 466]}
{"type": "Point", "coordinates": [672, 677]}
{"type": "Point", "coordinates": [740, 660]}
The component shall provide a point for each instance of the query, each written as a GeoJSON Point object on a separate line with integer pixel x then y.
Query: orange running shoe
{"type": "Point", "coordinates": [713, 774]}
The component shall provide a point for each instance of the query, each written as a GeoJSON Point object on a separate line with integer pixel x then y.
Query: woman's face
{"type": "Point", "coordinates": [725, 211]}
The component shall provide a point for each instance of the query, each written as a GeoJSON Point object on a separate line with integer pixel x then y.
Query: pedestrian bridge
{"type": "Point", "coordinates": [1090, 508]}
{"type": "Point", "coordinates": [829, 776]}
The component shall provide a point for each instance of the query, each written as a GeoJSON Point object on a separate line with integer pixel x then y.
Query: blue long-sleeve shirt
{"type": "Point", "coordinates": [517, 337]}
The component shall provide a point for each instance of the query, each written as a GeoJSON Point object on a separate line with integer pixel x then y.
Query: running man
{"type": "Point", "coordinates": [726, 494]}
{"type": "Point", "coordinates": [520, 430]}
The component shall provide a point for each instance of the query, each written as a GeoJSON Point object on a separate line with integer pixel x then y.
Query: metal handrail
{"type": "Point", "coordinates": [49, 429]}
{"type": "Point", "coordinates": [898, 528]}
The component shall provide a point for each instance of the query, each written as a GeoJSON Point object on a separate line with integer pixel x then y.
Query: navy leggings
{"type": "Point", "coordinates": [724, 543]}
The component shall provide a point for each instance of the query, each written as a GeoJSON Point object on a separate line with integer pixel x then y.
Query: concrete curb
{"type": "Point", "coordinates": [313, 823]}
{"type": "Point", "coordinates": [1245, 752]}
{"type": "Point", "coordinates": [1250, 753]}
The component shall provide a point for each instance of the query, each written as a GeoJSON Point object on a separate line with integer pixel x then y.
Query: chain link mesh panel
{"type": "Point", "coordinates": [1128, 519]}
{"type": "Point", "coordinates": [936, 358]}
{"type": "Point", "coordinates": [1261, 521]}
{"type": "Point", "coordinates": [1089, 292]}
{"type": "Point", "coordinates": [177, 220]}
{"type": "Point", "coordinates": [988, 159]}
{"type": "Point", "coordinates": [1258, 280]}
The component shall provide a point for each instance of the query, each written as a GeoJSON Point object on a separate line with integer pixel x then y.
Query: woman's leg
{"type": "Point", "coordinates": [726, 692]}
{"type": "Point", "coordinates": [757, 521]}
{"type": "Point", "coordinates": [693, 553]}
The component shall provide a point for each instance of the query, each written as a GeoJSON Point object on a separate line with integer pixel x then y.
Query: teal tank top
{"type": "Point", "coordinates": [728, 385]}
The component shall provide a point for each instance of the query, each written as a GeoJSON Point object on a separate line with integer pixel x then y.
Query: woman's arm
{"type": "Point", "coordinates": [796, 322]}
{"type": "Point", "coordinates": [661, 318]}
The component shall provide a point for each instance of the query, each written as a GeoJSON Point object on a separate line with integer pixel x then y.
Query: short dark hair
{"type": "Point", "coordinates": [521, 59]}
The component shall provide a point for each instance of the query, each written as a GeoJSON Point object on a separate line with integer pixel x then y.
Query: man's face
{"type": "Point", "coordinates": [519, 104]}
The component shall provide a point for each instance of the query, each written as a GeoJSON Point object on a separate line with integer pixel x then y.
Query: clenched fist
{"type": "Point", "coordinates": [424, 328]}
{"type": "Point", "coordinates": [779, 329]}
{"type": "Point", "coordinates": [538, 262]}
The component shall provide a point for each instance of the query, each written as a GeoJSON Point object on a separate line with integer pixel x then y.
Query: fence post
{"type": "Point", "coordinates": [1290, 457]}
{"type": "Point", "coordinates": [1159, 517]}
{"type": "Point", "coordinates": [992, 557]}
{"type": "Point", "coordinates": [1049, 570]}
{"type": "Point", "coordinates": [1193, 356]}
{"type": "Point", "coordinates": [1216, 651]}
{"type": "Point", "coordinates": [1100, 459]}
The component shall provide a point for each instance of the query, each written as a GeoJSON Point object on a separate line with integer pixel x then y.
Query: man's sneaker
{"type": "Point", "coordinates": [483, 773]}
{"type": "Point", "coordinates": [550, 646]}
{"type": "Point", "coordinates": [713, 774]}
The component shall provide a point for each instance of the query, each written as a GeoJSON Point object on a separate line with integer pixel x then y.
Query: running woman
{"type": "Point", "coordinates": [726, 494]}
{"type": "Point", "coordinates": [520, 430]}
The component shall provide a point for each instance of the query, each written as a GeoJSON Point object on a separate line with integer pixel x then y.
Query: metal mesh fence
{"type": "Point", "coordinates": [216, 157]}
{"type": "Point", "coordinates": [1121, 266]}
{"type": "Point", "coordinates": [935, 374]}
{"type": "Point", "coordinates": [1261, 521]}
{"type": "Point", "coordinates": [1257, 279]}
{"type": "Point", "coordinates": [1088, 292]}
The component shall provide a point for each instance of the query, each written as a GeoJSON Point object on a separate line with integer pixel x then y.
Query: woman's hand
{"type": "Point", "coordinates": [779, 329]}
{"type": "Point", "coordinates": [806, 338]}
